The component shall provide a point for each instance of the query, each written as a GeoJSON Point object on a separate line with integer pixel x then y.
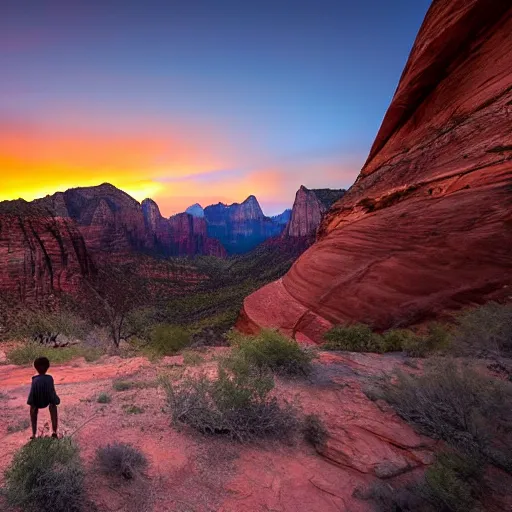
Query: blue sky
{"type": "Point", "coordinates": [196, 100]}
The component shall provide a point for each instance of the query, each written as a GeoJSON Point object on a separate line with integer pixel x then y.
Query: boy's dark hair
{"type": "Point", "coordinates": [41, 364]}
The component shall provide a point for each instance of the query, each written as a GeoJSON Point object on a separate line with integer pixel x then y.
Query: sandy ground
{"type": "Point", "coordinates": [190, 472]}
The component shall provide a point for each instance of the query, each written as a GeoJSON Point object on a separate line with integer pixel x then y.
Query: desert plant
{"type": "Point", "coordinates": [354, 338]}
{"type": "Point", "coordinates": [236, 404]}
{"type": "Point", "coordinates": [133, 409]}
{"type": "Point", "coordinates": [454, 482]}
{"type": "Point", "coordinates": [46, 475]}
{"type": "Point", "coordinates": [396, 340]}
{"type": "Point", "coordinates": [191, 358]}
{"type": "Point", "coordinates": [468, 410]}
{"type": "Point", "coordinates": [123, 385]}
{"type": "Point", "coordinates": [45, 327]}
{"type": "Point", "coordinates": [486, 329]}
{"type": "Point", "coordinates": [121, 459]}
{"type": "Point", "coordinates": [436, 339]}
{"type": "Point", "coordinates": [166, 340]}
{"type": "Point", "coordinates": [28, 352]}
{"type": "Point", "coordinates": [104, 398]}
{"type": "Point", "coordinates": [273, 351]}
{"type": "Point", "coordinates": [18, 427]}
{"type": "Point", "coordinates": [314, 431]}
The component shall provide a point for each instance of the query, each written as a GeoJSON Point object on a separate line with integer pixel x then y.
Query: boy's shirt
{"type": "Point", "coordinates": [42, 392]}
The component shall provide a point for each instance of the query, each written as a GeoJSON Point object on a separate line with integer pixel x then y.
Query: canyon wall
{"type": "Point", "coordinates": [240, 227]}
{"type": "Point", "coordinates": [427, 227]}
{"type": "Point", "coordinates": [39, 254]}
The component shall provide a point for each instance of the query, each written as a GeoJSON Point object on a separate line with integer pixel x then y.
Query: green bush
{"type": "Point", "coordinates": [191, 358]}
{"type": "Point", "coordinates": [40, 324]}
{"type": "Point", "coordinates": [466, 409]}
{"type": "Point", "coordinates": [273, 351]}
{"type": "Point", "coordinates": [454, 482]}
{"type": "Point", "coordinates": [436, 339]}
{"type": "Point", "coordinates": [395, 340]}
{"type": "Point", "coordinates": [123, 385]}
{"type": "Point", "coordinates": [104, 398]}
{"type": "Point", "coordinates": [121, 459]}
{"type": "Point", "coordinates": [236, 404]}
{"type": "Point", "coordinates": [354, 338]}
{"type": "Point", "coordinates": [314, 431]}
{"type": "Point", "coordinates": [167, 340]}
{"type": "Point", "coordinates": [46, 475]}
{"type": "Point", "coordinates": [28, 352]}
{"type": "Point", "coordinates": [486, 329]}
{"type": "Point", "coordinates": [18, 427]}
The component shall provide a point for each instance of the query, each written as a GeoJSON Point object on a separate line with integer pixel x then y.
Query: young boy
{"type": "Point", "coordinates": [42, 394]}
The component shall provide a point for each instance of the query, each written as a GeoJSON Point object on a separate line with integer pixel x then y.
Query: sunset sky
{"type": "Point", "coordinates": [193, 101]}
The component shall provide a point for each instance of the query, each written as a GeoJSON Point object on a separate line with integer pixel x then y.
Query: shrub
{"type": "Point", "coordinates": [235, 404]}
{"type": "Point", "coordinates": [396, 340]}
{"type": "Point", "coordinates": [18, 427]}
{"type": "Point", "coordinates": [387, 498]}
{"type": "Point", "coordinates": [191, 358]}
{"type": "Point", "coordinates": [468, 410]}
{"type": "Point", "coordinates": [26, 353]}
{"type": "Point", "coordinates": [46, 475]}
{"type": "Point", "coordinates": [314, 431]}
{"type": "Point", "coordinates": [454, 482]}
{"type": "Point", "coordinates": [133, 409]}
{"type": "Point", "coordinates": [166, 340]}
{"type": "Point", "coordinates": [104, 398]}
{"type": "Point", "coordinates": [121, 459]}
{"type": "Point", "coordinates": [487, 328]}
{"type": "Point", "coordinates": [354, 338]}
{"type": "Point", "coordinates": [273, 351]}
{"type": "Point", "coordinates": [436, 339]}
{"type": "Point", "coordinates": [123, 385]}
{"type": "Point", "coordinates": [45, 326]}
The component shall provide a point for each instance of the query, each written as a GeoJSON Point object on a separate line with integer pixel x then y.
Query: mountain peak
{"type": "Point", "coordinates": [196, 210]}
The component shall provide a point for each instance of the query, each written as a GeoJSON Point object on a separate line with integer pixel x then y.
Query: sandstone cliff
{"type": "Point", "coordinates": [240, 227]}
{"type": "Point", "coordinates": [308, 209]}
{"type": "Point", "coordinates": [427, 227]}
{"type": "Point", "coordinates": [39, 254]}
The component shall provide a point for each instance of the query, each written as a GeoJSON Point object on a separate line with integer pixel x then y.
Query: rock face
{"type": "Point", "coordinates": [189, 237]}
{"type": "Point", "coordinates": [196, 210]}
{"type": "Point", "coordinates": [108, 218]}
{"type": "Point", "coordinates": [39, 253]}
{"type": "Point", "coordinates": [427, 226]}
{"type": "Point", "coordinates": [308, 209]}
{"type": "Point", "coordinates": [180, 235]}
{"type": "Point", "coordinates": [282, 218]}
{"type": "Point", "coordinates": [240, 227]}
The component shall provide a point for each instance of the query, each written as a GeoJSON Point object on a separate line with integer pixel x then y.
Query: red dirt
{"type": "Point", "coordinates": [189, 472]}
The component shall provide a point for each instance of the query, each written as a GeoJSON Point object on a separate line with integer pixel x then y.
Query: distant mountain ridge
{"type": "Point", "coordinates": [49, 244]}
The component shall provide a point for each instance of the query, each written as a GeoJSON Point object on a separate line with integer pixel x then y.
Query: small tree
{"type": "Point", "coordinates": [116, 298]}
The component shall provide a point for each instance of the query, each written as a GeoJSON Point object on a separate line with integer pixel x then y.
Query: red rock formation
{"type": "Point", "coordinates": [240, 227]}
{"type": "Point", "coordinates": [427, 227]}
{"type": "Point", "coordinates": [308, 209]}
{"type": "Point", "coordinates": [39, 254]}
{"type": "Point", "coordinates": [180, 235]}
{"type": "Point", "coordinates": [189, 237]}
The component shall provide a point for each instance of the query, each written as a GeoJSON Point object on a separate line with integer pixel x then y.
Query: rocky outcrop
{"type": "Point", "coordinates": [196, 210]}
{"type": "Point", "coordinates": [108, 218]}
{"type": "Point", "coordinates": [240, 227]}
{"type": "Point", "coordinates": [189, 237]}
{"type": "Point", "coordinates": [308, 208]}
{"type": "Point", "coordinates": [426, 228]}
{"type": "Point", "coordinates": [40, 254]}
{"type": "Point", "coordinates": [180, 235]}
{"type": "Point", "coordinates": [282, 218]}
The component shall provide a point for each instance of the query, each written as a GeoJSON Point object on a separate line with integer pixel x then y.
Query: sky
{"type": "Point", "coordinates": [189, 101]}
